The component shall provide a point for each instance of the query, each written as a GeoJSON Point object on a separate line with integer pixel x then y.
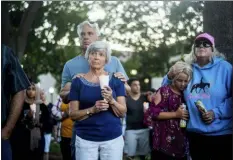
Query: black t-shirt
{"type": "Point", "coordinates": [46, 118]}
{"type": "Point", "coordinates": [13, 80]}
{"type": "Point", "coordinates": [135, 114]}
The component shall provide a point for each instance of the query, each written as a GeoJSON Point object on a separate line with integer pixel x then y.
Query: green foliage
{"type": "Point", "coordinates": [134, 24]}
{"type": "Point", "coordinates": [152, 38]}
{"type": "Point", "coordinates": [54, 21]}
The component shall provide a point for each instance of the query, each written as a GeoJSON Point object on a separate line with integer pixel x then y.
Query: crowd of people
{"type": "Point", "coordinates": [114, 120]}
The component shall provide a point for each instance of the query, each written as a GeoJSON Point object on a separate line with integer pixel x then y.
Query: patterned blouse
{"type": "Point", "coordinates": [168, 137]}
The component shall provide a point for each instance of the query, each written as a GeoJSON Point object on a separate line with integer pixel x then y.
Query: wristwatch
{"type": "Point", "coordinates": [88, 112]}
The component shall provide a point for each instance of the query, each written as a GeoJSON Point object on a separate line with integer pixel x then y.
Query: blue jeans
{"type": "Point", "coordinates": [6, 150]}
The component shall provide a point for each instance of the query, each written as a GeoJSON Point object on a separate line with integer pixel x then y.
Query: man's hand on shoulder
{"type": "Point", "coordinates": [120, 76]}
{"type": "Point", "coordinates": [78, 75]}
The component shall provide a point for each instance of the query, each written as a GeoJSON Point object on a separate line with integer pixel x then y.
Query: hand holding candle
{"type": "Point", "coordinates": [104, 81]}
{"type": "Point", "coordinates": [107, 94]}
{"type": "Point", "coordinates": [33, 109]}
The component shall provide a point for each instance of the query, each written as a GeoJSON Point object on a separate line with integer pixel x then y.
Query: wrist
{"type": "Point", "coordinates": [93, 110]}
{"type": "Point", "coordinates": [175, 115]}
{"type": "Point", "coordinates": [112, 102]}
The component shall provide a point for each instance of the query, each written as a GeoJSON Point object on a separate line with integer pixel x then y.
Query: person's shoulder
{"type": "Point", "coordinates": [114, 59]}
{"type": "Point", "coordinates": [74, 60]}
{"type": "Point", "coordinates": [164, 89]}
{"type": "Point", "coordinates": [143, 97]}
{"type": "Point", "coordinates": [226, 64]}
{"type": "Point", "coordinates": [76, 80]}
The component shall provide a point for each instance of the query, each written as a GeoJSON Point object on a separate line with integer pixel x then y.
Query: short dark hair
{"type": "Point", "coordinates": [131, 80]}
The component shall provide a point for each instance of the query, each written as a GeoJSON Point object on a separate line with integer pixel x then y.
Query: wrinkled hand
{"type": "Point", "coordinates": [107, 94]}
{"type": "Point", "coordinates": [6, 133]}
{"type": "Point", "coordinates": [207, 117]}
{"type": "Point", "coordinates": [182, 113]}
{"type": "Point", "coordinates": [120, 76]}
{"type": "Point", "coordinates": [78, 75]}
{"type": "Point", "coordinates": [101, 105]}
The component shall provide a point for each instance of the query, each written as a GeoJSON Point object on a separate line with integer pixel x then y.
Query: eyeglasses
{"type": "Point", "coordinates": [204, 44]}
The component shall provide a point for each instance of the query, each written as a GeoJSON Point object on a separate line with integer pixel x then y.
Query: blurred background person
{"type": "Point", "coordinates": [60, 112]}
{"type": "Point", "coordinates": [28, 141]}
{"type": "Point", "coordinates": [136, 134]}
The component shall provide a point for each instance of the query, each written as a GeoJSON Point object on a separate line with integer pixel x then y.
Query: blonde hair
{"type": "Point", "coordinates": [181, 67]}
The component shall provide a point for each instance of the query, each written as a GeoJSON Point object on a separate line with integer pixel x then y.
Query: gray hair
{"type": "Point", "coordinates": [193, 57]}
{"type": "Point", "coordinates": [181, 67]}
{"type": "Point", "coordinates": [92, 25]}
{"type": "Point", "coordinates": [99, 46]}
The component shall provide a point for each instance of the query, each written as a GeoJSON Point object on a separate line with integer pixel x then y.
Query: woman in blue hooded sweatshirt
{"type": "Point", "coordinates": [209, 130]}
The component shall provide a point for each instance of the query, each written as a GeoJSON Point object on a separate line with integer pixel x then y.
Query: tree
{"type": "Point", "coordinates": [38, 30]}
{"type": "Point", "coordinates": [218, 21]}
{"type": "Point", "coordinates": [134, 24]}
{"type": "Point", "coordinates": [153, 39]}
{"type": "Point", "coordinates": [15, 35]}
{"type": "Point", "coordinates": [45, 52]}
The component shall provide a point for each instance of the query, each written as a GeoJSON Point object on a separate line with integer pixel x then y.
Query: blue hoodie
{"type": "Point", "coordinates": [212, 85]}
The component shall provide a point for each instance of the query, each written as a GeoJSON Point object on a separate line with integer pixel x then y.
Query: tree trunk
{"type": "Point", "coordinates": [6, 28]}
{"type": "Point", "coordinates": [25, 26]}
{"type": "Point", "coordinates": [18, 40]}
{"type": "Point", "coordinates": [218, 21]}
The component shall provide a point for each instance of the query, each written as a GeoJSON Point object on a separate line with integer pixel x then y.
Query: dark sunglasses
{"type": "Point", "coordinates": [204, 44]}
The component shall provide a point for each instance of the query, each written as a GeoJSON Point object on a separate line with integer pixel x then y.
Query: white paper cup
{"type": "Point", "coordinates": [104, 81]}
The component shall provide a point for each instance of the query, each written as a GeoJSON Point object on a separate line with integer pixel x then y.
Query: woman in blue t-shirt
{"type": "Point", "coordinates": [97, 111]}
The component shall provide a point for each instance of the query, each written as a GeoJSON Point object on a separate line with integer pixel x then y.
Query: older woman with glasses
{"type": "Point", "coordinates": [97, 111]}
{"type": "Point", "coordinates": [209, 101]}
